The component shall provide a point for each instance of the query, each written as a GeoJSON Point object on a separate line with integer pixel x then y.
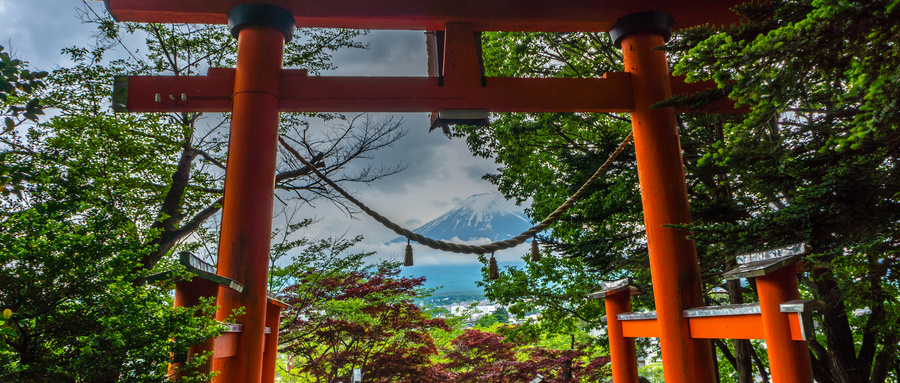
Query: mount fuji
{"type": "Point", "coordinates": [486, 216]}
{"type": "Point", "coordinates": [479, 219]}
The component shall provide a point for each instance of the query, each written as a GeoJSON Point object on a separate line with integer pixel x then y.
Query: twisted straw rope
{"type": "Point", "coordinates": [468, 249]}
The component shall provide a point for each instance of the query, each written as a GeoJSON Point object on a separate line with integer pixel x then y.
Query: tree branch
{"type": "Point", "coordinates": [198, 219]}
{"type": "Point", "coordinates": [759, 365]}
{"type": "Point", "coordinates": [725, 351]}
{"type": "Point", "coordinates": [208, 157]}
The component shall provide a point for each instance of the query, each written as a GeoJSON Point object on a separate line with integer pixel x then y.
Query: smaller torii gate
{"type": "Point", "coordinates": [258, 89]}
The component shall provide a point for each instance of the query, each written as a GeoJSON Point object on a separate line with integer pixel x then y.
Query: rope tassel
{"type": "Point", "coordinates": [535, 250]}
{"type": "Point", "coordinates": [493, 273]}
{"type": "Point", "coordinates": [408, 260]}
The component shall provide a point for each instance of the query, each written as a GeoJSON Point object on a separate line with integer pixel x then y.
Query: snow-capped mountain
{"type": "Point", "coordinates": [486, 215]}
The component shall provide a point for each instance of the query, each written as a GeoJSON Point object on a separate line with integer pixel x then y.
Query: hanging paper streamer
{"type": "Point", "coordinates": [408, 260]}
{"type": "Point", "coordinates": [493, 273]}
{"type": "Point", "coordinates": [535, 250]}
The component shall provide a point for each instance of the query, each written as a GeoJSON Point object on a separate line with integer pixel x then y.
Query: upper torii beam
{"type": "Point", "coordinates": [259, 88]}
{"type": "Point", "coordinates": [433, 15]}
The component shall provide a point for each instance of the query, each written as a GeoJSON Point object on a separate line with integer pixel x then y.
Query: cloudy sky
{"type": "Point", "coordinates": [440, 172]}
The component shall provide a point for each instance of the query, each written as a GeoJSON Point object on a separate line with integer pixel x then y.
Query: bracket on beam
{"type": "Point", "coordinates": [803, 308]}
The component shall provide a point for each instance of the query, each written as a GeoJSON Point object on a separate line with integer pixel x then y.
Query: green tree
{"type": "Point", "coordinates": [75, 315]}
{"type": "Point", "coordinates": [820, 171]}
{"type": "Point", "coordinates": [557, 288]}
{"type": "Point", "coordinates": [502, 315]}
{"type": "Point", "coordinates": [71, 313]}
{"type": "Point", "coordinates": [817, 159]}
{"type": "Point", "coordinates": [108, 197]}
{"type": "Point", "coordinates": [18, 88]}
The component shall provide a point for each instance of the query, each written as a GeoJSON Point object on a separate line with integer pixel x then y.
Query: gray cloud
{"type": "Point", "coordinates": [36, 31]}
{"type": "Point", "coordinates": [439, 172]}
{"type": "Point", "coordinates": [390, 53]}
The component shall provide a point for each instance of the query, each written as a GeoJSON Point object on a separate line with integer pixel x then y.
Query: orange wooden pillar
{"type": "Point", "coordinates": [247, 208]}
{"type": "Point", "coordinates": [621, 349]}
{"type": "Point", "coordinates": [622, 353]}
{"type": "Point", "coordinates": [673, 258]}
{"type": "Point", "coordinates": [188, 294]}
{"type": "Point", "coordinates": [788, 359]}
{"type": "Point", "coordinates": [204, 283]}
{"type": "Point", "coordinates": [270, 355]}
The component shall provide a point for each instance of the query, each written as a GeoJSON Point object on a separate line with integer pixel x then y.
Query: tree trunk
{"type": "Point", "coordinates": [742, 347]}
{"type": "Point", "coordinates": [764, 376]}
{"type": "Point", "coordinates": [567, 371]}
{"type": "Point", "coordinates": [170, 213]}
{"type": "Point", "coordinates": [884, 360]}
{"type": "Point", "coordinates": [841, 346]}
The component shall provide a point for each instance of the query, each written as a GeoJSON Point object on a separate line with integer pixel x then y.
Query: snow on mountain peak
{"type": "Point", "coordinates": [481, 208]}
{"type": "Point", "coordinates": [489, 202]}
{"type": "Point", "coordinates": [486, 215]}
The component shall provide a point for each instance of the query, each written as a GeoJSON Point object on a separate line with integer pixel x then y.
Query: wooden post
{"type": "Point", "coordinates": [621, 349]}
{"type": "Point", "coordinates": [673, 258]}
{"type": "Point", "coordinates": [188, 294]}
{"type": "Point", "coordinates": [270, 356]}
{"type": "Point", "coordinates": [247, 208]}
{"type": "Point", "coordinates": [203, 284]}
{"type": "Point", "coordinates": [788, 359]}
{"type": "Point", "coordinates": [617, 296]}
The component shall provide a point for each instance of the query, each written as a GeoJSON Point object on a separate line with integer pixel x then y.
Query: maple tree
{"type": "Point", "coordinates": [363, 318]}
{"type": "Point", "coordinates": [482, 356]}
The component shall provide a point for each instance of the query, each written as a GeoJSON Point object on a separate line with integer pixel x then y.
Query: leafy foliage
{"type": "Point", "coordinates": [479, 356]}
{"type": "Point", "coordinates": [356, 319]}
{"type": "Point", "coordinates": [17, 84]}
{"type": "Point", "coordinates": [814, 161]}
{"type": "Point", "coordinates": [75, 314]}
{"type": "Point", "coordinates": [346, 315]}
{"type": "Point", "coordinates": [554, 286]}
{"type": "Point", "coordinates": [499, 317]}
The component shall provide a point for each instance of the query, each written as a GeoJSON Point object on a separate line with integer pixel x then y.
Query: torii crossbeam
{"type": "Point", "coordinates": [258, 89]}
{"type": "Point", "coordinates": [433, 15]}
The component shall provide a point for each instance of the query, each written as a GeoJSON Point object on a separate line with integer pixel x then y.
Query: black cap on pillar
{"type": "Point", "coordinates": [650, 21]}
{"type": "Point", "coordinates": [261, 14]}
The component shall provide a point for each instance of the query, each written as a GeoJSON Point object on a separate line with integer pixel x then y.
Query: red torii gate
{"type": "Point", "coordinates": [258, 89]}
